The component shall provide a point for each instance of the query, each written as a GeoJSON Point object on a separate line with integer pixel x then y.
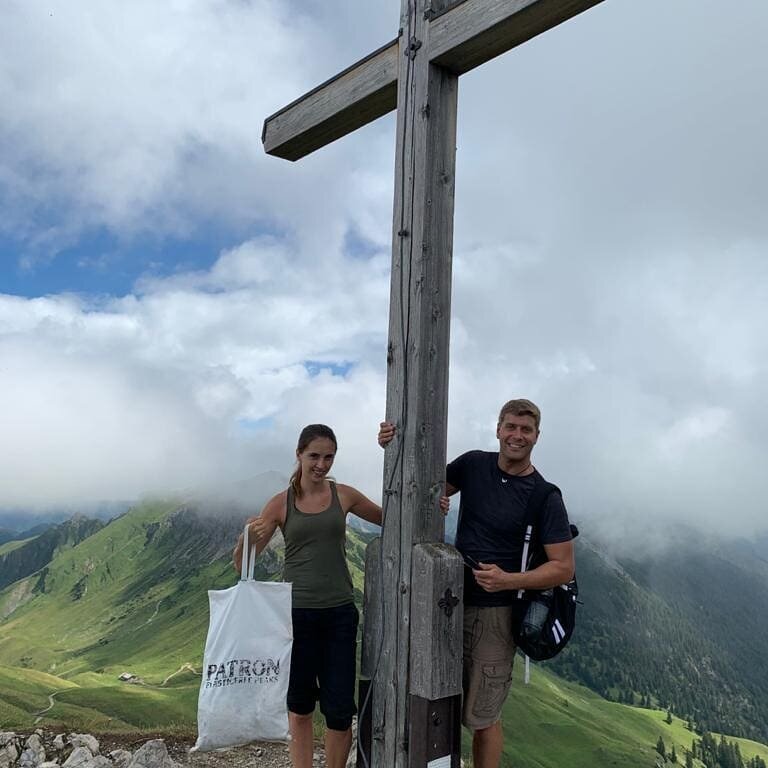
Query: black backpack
{"type": "Point", "coordinates": [545, 620]}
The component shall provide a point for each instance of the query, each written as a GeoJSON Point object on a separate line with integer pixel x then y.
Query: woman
{"type": "Point", "coordinates": [312, 513]}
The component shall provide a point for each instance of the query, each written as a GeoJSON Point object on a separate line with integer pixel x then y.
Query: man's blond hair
{"type": "Point", "coordinates": [521, 407]}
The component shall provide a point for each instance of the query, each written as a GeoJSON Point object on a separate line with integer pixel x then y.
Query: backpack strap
{"type": "Point", "coordinates": [532, 549]}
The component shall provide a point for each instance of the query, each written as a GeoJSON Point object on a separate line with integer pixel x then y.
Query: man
{"type": "Point", "coordinates": [495, 489]}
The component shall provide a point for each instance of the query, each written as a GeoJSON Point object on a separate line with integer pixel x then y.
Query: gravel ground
{"type": "Point", "coordinates": [262, 755]}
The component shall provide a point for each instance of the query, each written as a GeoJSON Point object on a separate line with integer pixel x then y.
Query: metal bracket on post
{"type": "Point", "coordinates": [435, 732]}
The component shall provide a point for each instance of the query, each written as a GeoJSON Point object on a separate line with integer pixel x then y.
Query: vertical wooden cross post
{"type": "Point", "coordinates": [412, 644]}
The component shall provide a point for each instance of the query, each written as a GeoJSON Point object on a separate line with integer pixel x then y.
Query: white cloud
{"type": "Point", "coordinates": [146, 116]}
{"type": "Point", "coordinates": [149, 390]}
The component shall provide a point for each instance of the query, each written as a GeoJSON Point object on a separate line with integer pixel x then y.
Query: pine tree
{"type": "Point", "coordinates": [673, 755]}
{"type": "Point", "coordinates": [668, 719]}
{"type": "Point", "coordinates": [661, 748]}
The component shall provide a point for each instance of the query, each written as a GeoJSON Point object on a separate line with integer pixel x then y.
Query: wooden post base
{"type": "Point", "coordinates": [435, 733]}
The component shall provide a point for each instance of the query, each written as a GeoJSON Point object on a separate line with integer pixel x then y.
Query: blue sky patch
{"type": "Point", "coordinates": [102, 263]}
{"type": "Point", "coordinates": [357, 246]}
{"type": "Point", "coordinates": [250, 426]}
{"type": "Point", "coordinates": [316, 367]}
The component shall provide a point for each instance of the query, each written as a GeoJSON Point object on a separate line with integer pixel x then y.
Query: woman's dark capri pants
{"type": "Point", "coordinates": [323, 663]}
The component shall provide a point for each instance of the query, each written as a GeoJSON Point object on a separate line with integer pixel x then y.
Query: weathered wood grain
{"type": "Point", "coordinates": [475, 31]}
{"type": "Point", "coordinates": [373, 615]}
{"type": "Point", "coordinates": [463, 34]}
{"type": "Point", "coordinates": [372, 609]}
{"type": "Point", "coordinates": [437, 609]}
{"type": "Point", "coordinates": [362, 93]}
{"type": "Point", "coordinates": [417, 380]}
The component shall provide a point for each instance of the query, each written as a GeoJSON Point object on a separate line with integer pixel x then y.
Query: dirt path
{"type": "Point", "coordinates": [182, 668]}
{"type": "Point", "coordinates": [51, 702]}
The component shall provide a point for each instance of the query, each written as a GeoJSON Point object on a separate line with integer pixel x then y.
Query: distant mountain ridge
{"type": "Point", "coordinates": [18, 520]}
{"type": "Point", "coordinates": [7, 535]}
{"type": "Point", "coordinates": [36, 553]}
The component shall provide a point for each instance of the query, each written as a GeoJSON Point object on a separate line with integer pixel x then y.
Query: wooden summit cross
{"type": "Point", "coordinates": [412, 643]}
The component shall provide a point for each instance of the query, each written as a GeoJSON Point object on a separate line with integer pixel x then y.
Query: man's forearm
{"type": "Point", "coordinates": [549, 574]}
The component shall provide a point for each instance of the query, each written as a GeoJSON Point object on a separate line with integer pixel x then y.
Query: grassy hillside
{"type": "Point", "coordinates": [132, 598]}
{"type": "Point", "coordinates": [548, 724]}
{"type": "Point", "coordinates": [29, 699]}
{"type": "Point", "coordinates": [9, 546]}
{"type": "Point", "coordinates": [552, 723]}
{"type": "Point", "coordinates": [24, 691]}
{"type": "Point", "coordinates": [17, 561]}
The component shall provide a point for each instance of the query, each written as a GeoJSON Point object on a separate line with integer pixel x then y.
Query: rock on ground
{"type": "Point", "coordinates": [84, 740]}
{"type": "Point", "coordinates": [34, 752]}
{"type": "Point", "coordinates": [138, 751]}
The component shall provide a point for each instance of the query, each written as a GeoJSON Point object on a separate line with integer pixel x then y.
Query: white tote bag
{"type": "Point", "coordinates": [247, 662]}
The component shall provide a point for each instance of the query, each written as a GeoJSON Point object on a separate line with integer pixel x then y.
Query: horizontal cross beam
{"type": "Point", "coordinates": [461, 37]}
{"type": "Point", "coordinates": [475, 31]}
{"type": "Point", "coordinates": [355, 97]}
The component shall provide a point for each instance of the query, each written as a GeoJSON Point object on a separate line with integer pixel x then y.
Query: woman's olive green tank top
{"type": "Point", "coordinates": [316, 555]}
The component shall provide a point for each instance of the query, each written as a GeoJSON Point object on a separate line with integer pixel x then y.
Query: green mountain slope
{"type": "Point", "coordinates": [548, 724]}
{"type": "Point", "coordinates": [29, 698]}
{"type": "Point", "coordinates": [20, 559]}
{"type": "Point", "coordinates": [131, 596]}
{"type": "Point", "coordinates": [12, 544]}
{"type": "Point", "coordinates": [684, 628]}
{"type": "Point", "coordinates": [553, 723]}
{"type": "Point", "coordinates": [8, 534]}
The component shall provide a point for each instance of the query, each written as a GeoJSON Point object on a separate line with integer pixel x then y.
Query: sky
{"type": "Point", "coordinates": [175, 305]}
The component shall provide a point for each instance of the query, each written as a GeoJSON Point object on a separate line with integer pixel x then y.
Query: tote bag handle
{"type": "Point", "coordinates": [248, 565]}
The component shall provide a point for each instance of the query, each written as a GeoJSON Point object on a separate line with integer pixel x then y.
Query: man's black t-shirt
{"type": "Point", "coordinates": [491, 515]}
